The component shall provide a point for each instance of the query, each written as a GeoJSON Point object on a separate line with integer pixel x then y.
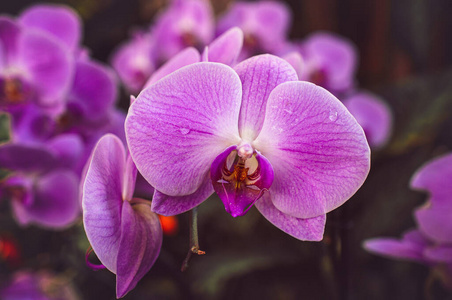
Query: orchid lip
{"type": "Point", "coordinates": [240, 176]}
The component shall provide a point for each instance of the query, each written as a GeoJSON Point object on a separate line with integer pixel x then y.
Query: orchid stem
{"type": "Point", "coordinates": [194, 242]}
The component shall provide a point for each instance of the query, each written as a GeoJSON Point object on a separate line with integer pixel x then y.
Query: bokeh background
{"type": "Point", "coordinates": [405, 51]}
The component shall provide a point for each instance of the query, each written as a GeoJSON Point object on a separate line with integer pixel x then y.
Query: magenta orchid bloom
{"type": "Point", "coordinates": [329, 61]}
{"type": "Point", "coordinates": [184, 23]}
{"type": "Point", "coordinates": [123, 231]}
{"type": "Point", "coordinates": [374, 116]}
{"type": "Point", "coordinates": [265, 25]}
{"type": "Point", "coordinates": [430, 243]}
{"type": "Point", "coordinates": [255, 135]}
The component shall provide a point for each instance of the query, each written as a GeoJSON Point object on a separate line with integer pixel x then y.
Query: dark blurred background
{"type": "Point", "coordinates": [405, 56]}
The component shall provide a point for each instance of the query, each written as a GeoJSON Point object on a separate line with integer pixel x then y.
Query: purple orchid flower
{"type": "Point", "coordinates": [374, 116]}
{"type": "Point", "coordinates": [34, 68]}
{"type": "Point", "coordinates": [43, 187]}
{"type": "Point", "coordinates": [265, 25]}
{"type": "Point", "coordinates": [124, 233]}
{"type": "Point", "coordinates": [133, 61]}
{"type": "Point", "coordinates": [255, 135]}
{"type": "Point", "coordinates": [431, 242]}
{"type": "Point", "coordinates": [41, 285]}
{"type": "Point", "coordinates": [185, 23]}
{"type": "Point", "coordinates": [329, 61]}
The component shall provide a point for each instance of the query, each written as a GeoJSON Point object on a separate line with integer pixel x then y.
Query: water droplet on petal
{"type": "Point", "coordinates": [184, 131]}
{"type": "Point", "coordinates": [333, 116]}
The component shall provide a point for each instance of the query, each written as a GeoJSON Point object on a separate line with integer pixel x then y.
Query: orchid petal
{"type": "Point", "coordinates": [141, 239]}
{"type": "Point", "coordinates": [434, 221]}
{"type": "Point", "coordinates": [318, 151]}
{"type": "Point", "coordinates": [94, 89]}
{"type": "Point", "coordinates": [296, 61]}
{"type": "Point", "coordinates": [374, 116]}
{"type": "Point", "coordinates": [48, 64]}
{"type": "Point", "coordinates": [440, 253]}
{"type": "Point", "coordinates": [102, 199]}
{"type": "Point", "coordinates": [173, 205]}
{"type": "Point", "coordinates": [68, 149]}
{"type": "Point", "coordinates": [18, 157]}
{"type": "Point", "coordinates": [226, 48]}
{"type": "Point", "coordinates": [303, 229]}
{"type": "Point", "coordinates": [130, 179]}
{"type": "Point", "coordinates": [9, 35]}
{"type": "Point", "coordinates": [184, 58]}
{"type": "Point", "coordinates": [410, 247]}
{"type": "Point", "coordinates": [259, 75]}
{"type": "Point", "coordinates": [434, 177]}
{"type": "Point", "coordinates": [60, 21]}
{"type": "Point", "coordinates": [178, 126]}
{"type": "Point", "coordinates": [55, 203]}
{"type": "Point", "coordinates": [333, 55]}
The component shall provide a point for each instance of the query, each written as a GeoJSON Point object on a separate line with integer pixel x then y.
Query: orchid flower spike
{"type": "Point", "coordinates": [124, 233]}
{"type": "Point", "coordinates": [255, 135]}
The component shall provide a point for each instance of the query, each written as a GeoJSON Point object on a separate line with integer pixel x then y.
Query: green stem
{"type": "Point", "coordinates": [194, 242]}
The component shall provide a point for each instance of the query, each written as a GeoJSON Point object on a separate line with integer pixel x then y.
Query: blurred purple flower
{"type": "Point", "coordinates": [430, 243]}
{"type": "Point", "coordinates": [43, 188]}
{"type": "Point", "coordinates": [133, 61]}
{"type": "Point", "coordinates": [374, 116]}
{"type": "Point", "coordinates": [255, 135]}
{"type": "Point", "coordinates": [61, 102]}
{"type": "Point", "coordinates": [185, 23]}
{"type": "Point", "coordinates": [124, 233]}
{"type": "Point", "coordinates": [37, 286]}
{"type": "Point", "coordinates": [265, 25]}
{"type": "Point", "coordinates": [329, 61]}
{"type": "Point", "coordinates": [34, 68]}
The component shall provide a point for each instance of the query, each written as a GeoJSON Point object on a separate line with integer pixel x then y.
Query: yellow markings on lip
{"type": "Point", "coordinates": [12, 89]}
{"type": "Point", "coordinates": [239, 175]}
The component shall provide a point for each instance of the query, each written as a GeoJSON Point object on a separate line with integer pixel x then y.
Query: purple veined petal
{"type": "Point", "coordinates": [55, 203]}
{"type": "Point", "coordinates": [184, 58]}
{"type": "Point", "coordinates": [133, 61]}
{"type": "Point", "coordinates": [2, 57]}
{"type": "Point", "coordinates": [296, 61]}
{"type": "Point", "coordinates": [226, 48]}
{"type": "Point", "coordinates": [411, 246]}
{"type": "Point", "coordinates": [374, 116]}
{"type": "Point", "coordinates": [173, 205]}
{"type": "Point", "coordinates": [238, 183]}
{"type": "Point", "coordinates": [102, 199]}
{"type": "Point", "coordinates": [439, 253]}
{"type": "Point", "coordinates": [68, 149]}
{"type": "Point", "coordinates": [259, 76]}
{"type": "Point", "coordinates": [178, 125]}
{"type": "Point", "coordinates": [333, 56]}
{"type": "Point", "coordinates": [48, 65]}
{"type": "Point", "coordinates": [318, 151]}
{"type": "Point", "coordinates": [434, 220]}
{"type": "Point", "coordinates": [303, 229]}
{"type": "Point", "coordinates": [60, 21]}
{"type": "Point", "coordinates": [94, 89]}
{"type": "Point", "coordinates": [9, 35]}
{"type": "Point", "coordinates": [434, 177]}
{"type": "Point", "coordinates": [140, 244]}
{"type": "Point", "coordinates": [28, 158]}
{"type": "Point", "coordinates": [130, 178]}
